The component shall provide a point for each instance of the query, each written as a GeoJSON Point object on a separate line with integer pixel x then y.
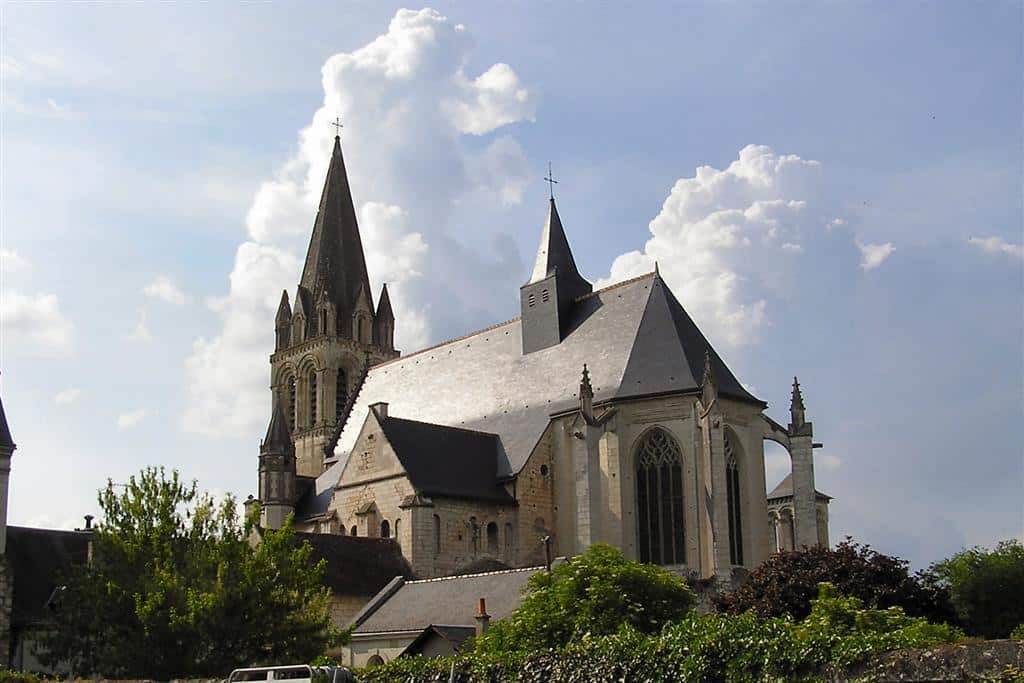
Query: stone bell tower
{"type": "Point", "coordinates": [328, 335]}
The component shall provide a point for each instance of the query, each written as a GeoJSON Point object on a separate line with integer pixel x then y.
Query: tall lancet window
{"type": "Point", "coordinates": [312, 398]}
{"type": "Point", "coordinates": [732, 500]}
{"type": "Point", "coordinates": [659, 499]}
{"type": "Point", "coordinates": [340, 395]}
{"type": "Point", "coordinates": [291, 403]}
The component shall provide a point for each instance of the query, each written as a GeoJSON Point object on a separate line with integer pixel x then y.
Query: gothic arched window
{"type": "Point", "coordinates": [659, 499]}
{"type": "Point", "coordinates": [732, 501]}
{"type": "Point", "coordinates": [291, 403]}
{"type": "Point", "coordinates": [312, 398]}
{"type": "Point", "coordinates": [385, 529]}
{"type": "Point", "coordinates": [340, 394]}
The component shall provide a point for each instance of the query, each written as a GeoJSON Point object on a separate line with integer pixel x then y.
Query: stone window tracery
{"type": "Point", "coordinates": [733, 503]}
{"type": "Point", "coordinates": [340, 394]}
{"type": "Point", "coordinates": [659, 496]}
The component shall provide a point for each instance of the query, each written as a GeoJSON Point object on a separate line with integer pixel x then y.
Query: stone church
{"type": "Point", "coordinates": [594, 416]}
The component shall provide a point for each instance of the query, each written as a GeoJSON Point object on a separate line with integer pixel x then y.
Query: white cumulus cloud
{"type": "Point", "coordinates": [11, 262]}
{"type": "Point", "coordinates": [718, 234]}
{"type": "Point", "coordinates": [36, 321]}
{"type": "Point", "coordinates": [874, 255]}
{"type": "Point", "coordinates": [67, 396]}
{"type": "Point", "coordinates": [131, 418]}
{"type": "Point", "coordinates": [409, 106]}
{"type": "Point", "coordinates": [164, 289]}
{"type": "Point", "coordinates": [997, 245]}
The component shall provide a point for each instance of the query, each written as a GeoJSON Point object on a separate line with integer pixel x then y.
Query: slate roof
{"type": "Point", "coordinates": [454, 635]}
{"type": "Point", "coordinates": [357, 566]}
{"type": "Point", "coordinates": [447, 461]}
{"type": "Point", "coordinates": [334, 260]}
{"type": "Point", "coordinates": [785, 490]}
{"type": "Point", "coordinates": [40, 558]}
{"type": "Point", "coordinates": [634, 336]}
{"type": "Point", "coordinates": [451, 601]}
{"type": "Point", "coordinates": [278, 438]}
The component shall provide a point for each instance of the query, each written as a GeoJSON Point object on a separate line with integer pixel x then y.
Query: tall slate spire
{"type": "Point", "coordinates": [335, 262]}
{"type": "Point", "coordinates": [547, 299]}
{"type": "Point", "coordinates": [554, 257]}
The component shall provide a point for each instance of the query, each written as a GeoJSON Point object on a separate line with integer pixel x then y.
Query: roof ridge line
{"type": "Point", "coordinates": [467, 576]}
{"type": "Point", "coordinates": [505, 322]}
{"type": "Point", "coordinates": [435, 424]}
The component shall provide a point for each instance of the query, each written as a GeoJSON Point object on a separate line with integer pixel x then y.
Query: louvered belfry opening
{"type": "Point", "coordinates": [659, 496]}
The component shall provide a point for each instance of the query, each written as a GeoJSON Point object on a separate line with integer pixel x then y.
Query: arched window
{"type": "Point", "coordinates": [732, 501]}
{"type": "Point", "coordinates": [437, 535]}
{"type": "Point", "coordinates": [312, 398]}
{"type": "Point", "coordinates": [659, 499]}
{"type": "Point", "coordinates": [398, 536]}
{"type": "Point", "coordinates": [291, 403]}
{"type": "Point", "coordinates": [340, 394]}
{"type": "Point", "coordinates": [474, 536]}
{"type": "Point", "coordinates": [354, 531]}
{"type": "Point", "coordinates": [323, 321]}
{"type": "Point", "coordinates": [385, 529]}
{"type": "Point", "coordinates": [374, 660]}
{"type": "Point", "coordinates": [492, 538]}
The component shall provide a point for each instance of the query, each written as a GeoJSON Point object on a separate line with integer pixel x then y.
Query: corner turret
{"type": "Point", "coordinates": [277, 472]}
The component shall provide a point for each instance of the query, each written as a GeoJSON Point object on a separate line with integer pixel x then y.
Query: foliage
{"type": "Point", "coordinates": [9, 676]}
{"type": "Point", "coordinates": [716, 647]}
{"type": "Point", "coordinates": [176, 589]}
{"type": "Point", "coordinates": [787, 582]}
{"type": "Point", "coordinates": [1017, 633]}
{"type": "Point", "coordinates": [987, 588]}
{"type": "Point", "coordinates": [591, 594]}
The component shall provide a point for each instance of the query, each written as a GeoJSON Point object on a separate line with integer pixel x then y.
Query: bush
{"type": "Point", "coordinates": [716, 647]}
{"type": "Point", "coordinates": [987, 588]}
{"type": "Point", "coordinates": [592, 594]}
{"type": "Point", "coordinates": [787, 582]}
{"type": "Point", "coordinates": [1017, 633]}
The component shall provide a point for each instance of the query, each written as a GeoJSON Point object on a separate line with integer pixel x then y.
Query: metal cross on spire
{"type": "Point", "coordinates": [337, 126]}
{"type": "Point", "coordinates": [551, 181]}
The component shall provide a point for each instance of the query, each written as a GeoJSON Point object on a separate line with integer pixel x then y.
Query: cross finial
{"type": "Point", "coordinates": [337, 126]}
{"type": "Point", "coordinates": [551, 181]}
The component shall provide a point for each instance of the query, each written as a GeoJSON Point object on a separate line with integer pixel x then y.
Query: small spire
{"type": "Point", "coordinates": [657, 273]}
{"type": "Point", "coordinates": [554, 257]}
{"type": "Point", "coordinates": [707, 383]}
{"type": "Point", "coordinates": [796, 406]}
{"type": "Point", "coordinates": [279, 437]}
{"type": "Point", "coordinates": [384, 304]}
{"type": "Point", "coordinates": [586, 396]}
{"type": "Point", "coordinates": [284, 309]}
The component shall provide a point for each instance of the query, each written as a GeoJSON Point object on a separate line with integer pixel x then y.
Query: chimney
{"type": "Point", "coordinates": [380, 409]}
{"type": "Point", "coordinates": [88, 522]}
{"type": "Point", "coordinates": [483, 619]}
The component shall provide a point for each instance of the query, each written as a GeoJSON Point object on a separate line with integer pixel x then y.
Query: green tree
{"type": "Point", "coordinates": [787, 582]}
{"type": "Point", "coordinates": [987, 588]}
{"type": "Point", "coordinates": [174, 589]}
{"type": "Point", "coordinates": [590, 595]}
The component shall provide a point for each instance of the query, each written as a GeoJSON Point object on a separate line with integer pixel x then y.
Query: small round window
{"type": "Point", "coordinates": [543, 470]}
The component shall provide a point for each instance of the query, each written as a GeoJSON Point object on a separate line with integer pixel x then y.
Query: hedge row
{"type": "Point", "coordinates": [715, 647]}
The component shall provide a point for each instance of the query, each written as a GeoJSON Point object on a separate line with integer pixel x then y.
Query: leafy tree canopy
{"type": "Point", "coordinates": [987, 588]}
{"type": "Point", "coordinates": [787, 582]}
{"type": "Point", "coordinates": [590, 595]}
{"type": "Point", "coordinates": [176, 589]}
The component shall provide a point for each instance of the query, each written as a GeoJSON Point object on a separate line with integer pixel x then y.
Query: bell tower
{"type": "Point", "coordinates": [330, 331]}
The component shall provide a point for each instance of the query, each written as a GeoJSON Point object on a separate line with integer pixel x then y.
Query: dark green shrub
{"type": "Point", "coordinates": [787, 582]}
{"type": "Point", "coordinates": [987, 588]}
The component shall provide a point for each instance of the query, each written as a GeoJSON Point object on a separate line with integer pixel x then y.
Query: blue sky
{"type": "Point", "coordinates": [856, 219]}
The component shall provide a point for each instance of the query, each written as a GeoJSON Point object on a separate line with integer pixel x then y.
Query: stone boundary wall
{"type": "Point", "coordinates": [982, 661]}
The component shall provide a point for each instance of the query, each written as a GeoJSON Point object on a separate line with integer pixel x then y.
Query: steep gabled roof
{"type": "Point", "coordinates": [634, 337]}
{"type": "Point", "coordinates": [334, 261]}
{"type": "Point", "coordinates": [278, 438]}
{"type": "Point", "coordinates": [447, 461]}
{"type": "Point", "coordinates": [357, 566]}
